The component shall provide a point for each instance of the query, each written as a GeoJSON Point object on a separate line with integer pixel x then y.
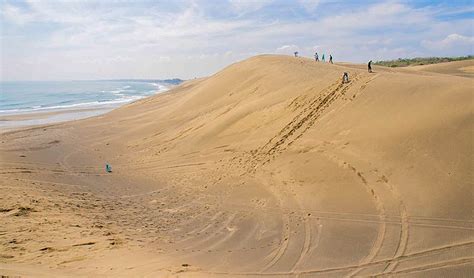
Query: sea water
{"type": "Point", "coordinates": [71, 99]}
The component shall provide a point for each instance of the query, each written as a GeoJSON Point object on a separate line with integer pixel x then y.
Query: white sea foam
{"type": "Point", "coordinates": [92, 104]}
{"type": "Point", "coordinates": [122, 99]}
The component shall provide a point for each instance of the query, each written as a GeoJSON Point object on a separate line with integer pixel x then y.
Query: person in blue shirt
{"type": "Point", "coordinates": [108, 168]}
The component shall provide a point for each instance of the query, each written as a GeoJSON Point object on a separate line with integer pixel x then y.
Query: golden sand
{"type": "Point", "coordinates": [271, 167]}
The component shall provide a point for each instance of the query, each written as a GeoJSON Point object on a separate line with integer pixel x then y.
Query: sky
{"type": "Point", "coordinates": [73, 40]}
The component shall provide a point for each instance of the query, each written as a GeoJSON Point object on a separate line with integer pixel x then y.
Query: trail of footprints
{"type": "Point", "coordinates": [309, 109]}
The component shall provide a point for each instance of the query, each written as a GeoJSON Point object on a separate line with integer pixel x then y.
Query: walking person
{"type": "Point", "coordinates": [322, 58]}
{"type": "Point", "coordinates": [330, 58]}
{"type": "Point", "coordinates": [369, 66]}
{"type": "Point", "coordinates": [296, 53]}
{"type": "Point", "coordinates": [316, 57]}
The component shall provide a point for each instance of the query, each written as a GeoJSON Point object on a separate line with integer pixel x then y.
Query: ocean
{"type": "Point", "coordinates": [69, 100]}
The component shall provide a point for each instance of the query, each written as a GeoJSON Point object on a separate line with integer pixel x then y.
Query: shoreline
{"type": "Point", "coordinates": [24, 120]}
{"type": "Point", "coordinates": [41, 115]}
{"type": "Point", "coordinates": [18, 120]}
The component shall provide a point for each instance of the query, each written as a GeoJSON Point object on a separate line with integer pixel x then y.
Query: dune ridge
{"type": "Point", "coordinates": [271, 167]}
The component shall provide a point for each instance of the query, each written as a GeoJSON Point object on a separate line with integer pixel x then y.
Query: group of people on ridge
{"type": "Point", "coordinates": [323, 59]}
{"type": "Point", "coordinates": [316, 57]}
{"type": "Point", "coordinates": [345, 76]}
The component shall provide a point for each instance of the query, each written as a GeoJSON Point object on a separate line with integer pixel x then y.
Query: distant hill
{"type": "Point", "coordinates": [174, 81]}
{"type": "Point", "coordinates": [404, 62]}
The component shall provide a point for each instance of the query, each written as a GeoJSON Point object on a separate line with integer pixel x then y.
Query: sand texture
{"type": "Point", "coordinates": [271, 167]}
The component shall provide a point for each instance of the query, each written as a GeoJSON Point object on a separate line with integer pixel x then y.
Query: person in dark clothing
{"type": "Point", "coordinates": [330, 58]}
{"type": "Point", "coordinates": [316, 57]}
{"type": "Point", "coordinates": [296, 53]}
{"type": "Point", "coordinates": [345, 78]}
{"type": "Point", "coordinates": [369, 66]}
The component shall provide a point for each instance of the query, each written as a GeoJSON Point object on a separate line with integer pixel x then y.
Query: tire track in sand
{"type": "Point", "coordinates": [406, 257]}
{"type": "Point", "coordinates": [282, 196]}
{"type": "Point", "coordinates": [203, 242]}
{"type": "Point", "coordinates": [404, 224]}
{"type": "Point", "coordinates": [298, 213]}
{"type": "Point", "coordinates": [404, 229]}
{"type": "Point", "coordinates": [377, 245]}
{"type": "Point", "coordinates": [283, 245]}
{"type": "Point", "coordinates": [286, 224]}
{"type": "Point", "coordinates": [427, 267]}
{"type": "Point", "coordinates": [306, 246]}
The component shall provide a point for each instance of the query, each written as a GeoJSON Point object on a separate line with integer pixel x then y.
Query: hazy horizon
{"type": "Point", "coordinates": [114, 79]}
{"type": "Point", "coordinates": [57, 41]}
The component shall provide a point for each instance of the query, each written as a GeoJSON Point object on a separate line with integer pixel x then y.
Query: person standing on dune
{"type": "Point", "coordinates": [296, 53]}
{"type": "Point", "coordinates": [316, 57]}
{"type": "Point", "coordinates": [369, 66]}
{"type": "Point", "coordinates": [330, 58]}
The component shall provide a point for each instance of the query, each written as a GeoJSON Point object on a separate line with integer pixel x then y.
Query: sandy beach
{"type": "Point", "coordinates": [32, 119]}
{"type": "Point", "coordinates": [271, 167]}
{"type": "Point", "coordinates": [42, 115]}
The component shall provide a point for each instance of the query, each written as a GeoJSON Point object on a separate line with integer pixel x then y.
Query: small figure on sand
{"type": "Point", "coordinates": [296, 53]}
{"type": "Point", "coordinates": [345, 78]}
{"type": "Point", "coordinates": [330, 58]}
{"type": "Point", "coordinates": [108, 168]}
{"type": "Point", "coordinates": [322, 58]}
{"type": "Point", "coordinates": [369, 66]}
{"type": "Point", "coordinates": [316, 57]}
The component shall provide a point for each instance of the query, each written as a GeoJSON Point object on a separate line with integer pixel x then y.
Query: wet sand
{"type": "Point", "coordinates": [23, 120]}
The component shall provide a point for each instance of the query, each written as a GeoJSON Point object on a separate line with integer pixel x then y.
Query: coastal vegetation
{"type": "Point", "coordinates": [418, 61]}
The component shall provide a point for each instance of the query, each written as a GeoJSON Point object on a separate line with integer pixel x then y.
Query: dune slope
{"type": "Point", "coordinates": [271, 167]}
{"type": "Point", "coordinates": [463, 68]}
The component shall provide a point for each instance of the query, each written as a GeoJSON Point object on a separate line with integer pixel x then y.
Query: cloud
{"type": "Point", "coordinates": [287, 49]}
{"type": "Point", "coordinates": [247, 6]}
{"type": "Point", "coordinates": [310, 5]}
{"type": "Point", "coordinates": [15, 14]}
{"type": "Point", "coordinates": [450, 41]}
{"type": "Point", "coordinates": [451, 45]}
{"type": "Point", "coordinates": [201, 37]}
{"type": "Point", "coordinates": [164, 59]}
{"type": "Point", "coordinates": [390, 15]}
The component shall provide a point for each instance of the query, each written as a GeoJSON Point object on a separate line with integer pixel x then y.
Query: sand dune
{"type": "Point", "coordinates": [463, 68]}
{"type": "Point", "coordinates": [271, 167]}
